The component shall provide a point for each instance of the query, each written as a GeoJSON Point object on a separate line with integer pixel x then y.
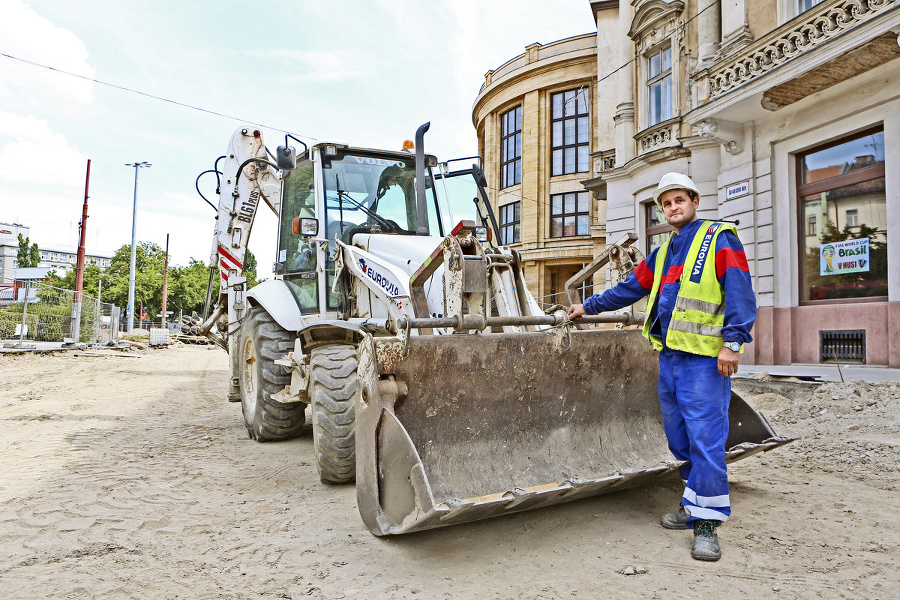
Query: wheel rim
{"type": "Point", "coordinates": [248, 360]}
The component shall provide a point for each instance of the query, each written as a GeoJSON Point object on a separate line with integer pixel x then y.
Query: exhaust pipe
{"type": "Point", "coordinates": [421, 205]}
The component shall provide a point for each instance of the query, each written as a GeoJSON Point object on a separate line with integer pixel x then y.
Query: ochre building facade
{"type": "Point", "coordinates": [786, 114]}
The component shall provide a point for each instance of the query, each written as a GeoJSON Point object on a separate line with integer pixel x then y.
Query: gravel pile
{"type": "Point", "coordinates": [853, 425]}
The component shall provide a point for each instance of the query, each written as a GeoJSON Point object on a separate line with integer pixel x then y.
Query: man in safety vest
{"type": "Point", "coordinates": [700, 311]}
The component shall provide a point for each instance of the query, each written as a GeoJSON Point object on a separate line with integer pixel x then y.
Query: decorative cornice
{"type": "Point", "coordinates": [651, 13]}
{"type": "Point", "coordinates": [604, 160]}
{"type": "Point", "coordinates": [501, 84]}
{"type": "Point", "coordinates": [735, 41]}
{"type": "Point", "coordinates": [797, 37]}
{"type": "Point", "coordinates": [638, 164]}
{"type": "Point", "coordinates": [730, 135]}
{"type": "Point", "coordinates": [624, 113]}
{"type": "Point", "coordinates": [598, 5]}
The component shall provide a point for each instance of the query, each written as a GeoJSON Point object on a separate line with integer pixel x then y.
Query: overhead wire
{"type": "Point", "coordinates": [521, 197]}
{"type": "Point", "coordinates": [153, 96]}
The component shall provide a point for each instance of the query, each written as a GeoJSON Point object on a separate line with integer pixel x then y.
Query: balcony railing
{"type": "Point", "coordinates": [661, 135]}
{"type": "Point", "coordinates": [793, 39]}
{"type": "Point", "coordinates": [604, 161]}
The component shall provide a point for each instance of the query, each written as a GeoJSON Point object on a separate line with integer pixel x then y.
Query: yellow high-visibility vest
{"type": "Point", "coordinates": [699, 312]}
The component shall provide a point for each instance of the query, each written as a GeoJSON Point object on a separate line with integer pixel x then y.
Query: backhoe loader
{"type": "Point", "coordinates": [434, 378]}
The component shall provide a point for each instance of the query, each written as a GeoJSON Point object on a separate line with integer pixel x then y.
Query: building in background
{"type": "Point", "coordinates": [786, 113]}
{"type": "Point", "coordinates": [59, 258]}
{"type": "Point", "coordinates": [536, 118]}
{"type": "Point", "coordinates": [63, 258]}
{"type": "Point", "coordinates": [9, 250]}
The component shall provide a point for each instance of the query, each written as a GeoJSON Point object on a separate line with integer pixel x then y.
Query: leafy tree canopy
{"type": "Point", "coordinates": [187, 285]}
{"type": "Point", "coordinates": [28, 254]}
{"type": "Point", "coordinates": [250, 270]}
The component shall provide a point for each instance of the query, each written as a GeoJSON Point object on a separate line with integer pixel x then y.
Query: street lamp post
{"type": "Point", "coordinates": [137, 166]}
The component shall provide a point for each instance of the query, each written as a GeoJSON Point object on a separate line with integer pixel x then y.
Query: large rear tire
{"type": "Point", "coordinates": [262, 342]}
{"type": "Point", "coordinates": [333, 393]}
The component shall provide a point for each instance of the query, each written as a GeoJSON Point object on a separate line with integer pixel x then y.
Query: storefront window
{"type": "Point", "coordinates": [658, 230]}
{"type": "Point", "coordinates": [842, 189]}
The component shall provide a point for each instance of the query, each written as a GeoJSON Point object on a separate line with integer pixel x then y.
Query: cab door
{"type": "Point", "coordinates": [299, 256]}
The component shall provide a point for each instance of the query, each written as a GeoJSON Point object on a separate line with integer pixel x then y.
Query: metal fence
{"type": "Point", "coordinates": [41, 313]}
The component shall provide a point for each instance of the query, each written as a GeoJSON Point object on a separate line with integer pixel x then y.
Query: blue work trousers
{"type": "Point", "coordinates": [694, 397]}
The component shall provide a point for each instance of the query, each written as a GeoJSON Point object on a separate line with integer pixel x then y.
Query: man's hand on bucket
{"type": "Point", "coordinates": [576, 311]}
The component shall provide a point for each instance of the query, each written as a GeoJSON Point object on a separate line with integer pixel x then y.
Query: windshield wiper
{"type": "Point", "coordinates": [342, 194]}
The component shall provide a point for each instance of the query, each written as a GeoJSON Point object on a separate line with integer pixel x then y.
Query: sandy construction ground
{"type": "Point", "coordinates": [130, 476]}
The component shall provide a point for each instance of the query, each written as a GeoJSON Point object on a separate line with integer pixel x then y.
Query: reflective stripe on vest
{"type": "Point", "coordinates": [699, 313]}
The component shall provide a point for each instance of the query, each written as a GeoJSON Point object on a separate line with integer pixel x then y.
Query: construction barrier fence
{"type": "Point", "coordinates": [41, 313]}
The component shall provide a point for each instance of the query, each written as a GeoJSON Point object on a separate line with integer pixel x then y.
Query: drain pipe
{"type": "Point", "coordinates": [421, 205]}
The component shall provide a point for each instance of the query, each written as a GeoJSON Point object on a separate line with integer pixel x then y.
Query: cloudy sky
{"type": "Point", "coordinates": [365, 72]}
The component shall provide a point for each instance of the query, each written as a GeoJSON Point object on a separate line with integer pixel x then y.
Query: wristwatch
{"type": "Point", "coordinates": [733, 346]}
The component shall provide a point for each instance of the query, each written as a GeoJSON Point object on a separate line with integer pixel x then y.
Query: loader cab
{"type": "Point", "coordinates": [369, 191]}
{"type": "Point", "coordinates": [349, 191]}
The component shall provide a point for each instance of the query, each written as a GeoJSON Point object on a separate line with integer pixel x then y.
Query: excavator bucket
{"type": "Point", "coordinates": [456, 428]}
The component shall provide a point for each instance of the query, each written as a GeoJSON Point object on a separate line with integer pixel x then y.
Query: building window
{"type": "Point", "coordinates": [509, 223]}
{"type": "Point", "coordinates": [569, 214]}
{"type": "Point", "coordinates": [811, 225]}
{"type": "Point", "coordinates": [659, 82]}
{"type": "Point", "coordinates": [842, 186]}
{"type": "Point", "coordinates": [511, 147]}
{"type": "Point", "coordinates": [657, 231]}
{"type": "Point", "coordinates": [805, 5]}
{"type": "Point", "coordinates": [570, 132]}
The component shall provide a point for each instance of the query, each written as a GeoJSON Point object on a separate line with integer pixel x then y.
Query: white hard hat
{"type": "Point", "coordinates": [674, 181]}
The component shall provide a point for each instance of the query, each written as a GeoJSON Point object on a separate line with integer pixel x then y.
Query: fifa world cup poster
{"type": "Point", "coordinates": [849, 256]}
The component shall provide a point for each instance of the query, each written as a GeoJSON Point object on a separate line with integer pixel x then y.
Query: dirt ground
{"type": "Point", "coordinates": [128, 475]}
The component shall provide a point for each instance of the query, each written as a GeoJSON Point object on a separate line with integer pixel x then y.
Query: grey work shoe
{"type": "Point", "coordinates": [706, 542]}
{"type": "Point", "coordinates": [675, 520]}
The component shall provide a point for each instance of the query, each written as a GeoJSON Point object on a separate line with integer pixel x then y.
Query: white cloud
{"type": "Point", "coordinates": [29, 36]}
{"type": "Point", "coordinates": [30, 151]}
{"type": "Point", "coordinates": [313, 66]}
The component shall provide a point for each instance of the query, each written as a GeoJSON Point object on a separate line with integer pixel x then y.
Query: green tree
{"type": "Point", "coordinates": [34, 255]}
{"type": "Point", "coordinates": [148, 279]}
{"type": "Point", "coordinates": [28, 255]}
{"type": "Point", "coordinates": [93, 274]}
{"type": "Point", "coordinates": [250, 270]}
{"type": "Point", "coordinates": [188, 285]}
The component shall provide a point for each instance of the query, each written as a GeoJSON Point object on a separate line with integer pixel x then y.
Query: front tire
{"type": "Point", "coordinates": [333, 397]}
{"type": "Point", "coordinates": [262, 342]}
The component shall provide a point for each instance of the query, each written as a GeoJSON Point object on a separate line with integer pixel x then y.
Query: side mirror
{"type": "Point", "coordinates": [305, 227]}
{"type": "Point", "coordinates": [286, 157]}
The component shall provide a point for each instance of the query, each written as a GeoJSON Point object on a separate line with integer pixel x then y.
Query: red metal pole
{"type": "Point", "coordinates": [79, 269]}
{"type": "Point", "coordinates": [75, 324]}
{"type": "Point", "coordinates": [165, 283]}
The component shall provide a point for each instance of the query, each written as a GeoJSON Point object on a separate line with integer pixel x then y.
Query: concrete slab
{"type": "Point", "coordinates": [826, 372]}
